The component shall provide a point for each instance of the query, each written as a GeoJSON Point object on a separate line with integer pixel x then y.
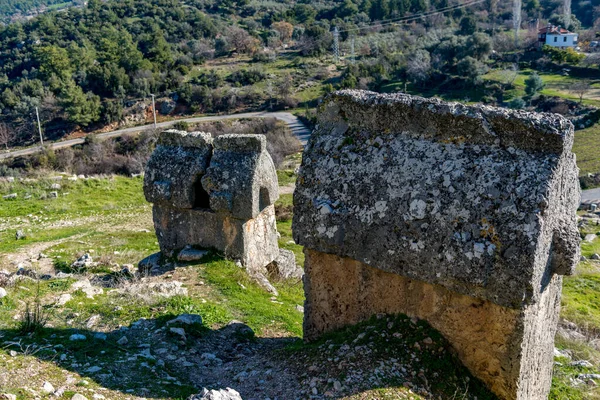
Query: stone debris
{"type": "Point", "coordinates": [63, 299]}
{"type": "Point", "coordinates": [431, 205]}
{"type": "Point", "coordinates": [220, 394]}
{"type": "Point", "coordinates": [263, 282]}
{"type": "Point", "coordinates": [47, 388]}
{"type": "Point", "coordinates": [150, 290]}
{"type": "Point", "coordinates": [284, 266]}
{"type": "Point", "coordinates": [87, 288]}
{"type": "Point", "coordinates": [150, 264]}
{"type": "Point", "coordinates": [186, 319]}
{"type": "Point", "coordinates": [85, 261]}
{"type": "Point", "coordinates": [190, 254]}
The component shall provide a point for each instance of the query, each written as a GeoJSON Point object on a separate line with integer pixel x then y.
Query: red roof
{"type": "Point", "coordinates": [556, 30]}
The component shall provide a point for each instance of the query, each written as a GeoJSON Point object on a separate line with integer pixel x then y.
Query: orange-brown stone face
{"type": "Point", "coordinates": [488, 338]}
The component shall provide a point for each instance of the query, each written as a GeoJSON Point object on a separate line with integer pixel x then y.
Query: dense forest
{"type": "Point", "coordinates": [10, 8]}
{"type": "Point", "coordinates": [81, 67]}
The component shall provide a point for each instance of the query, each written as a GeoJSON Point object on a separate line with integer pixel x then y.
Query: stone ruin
{"type": "Point", "coordinates": [216, 193]}
{"type": "Point", "coordinates": [463, 216]}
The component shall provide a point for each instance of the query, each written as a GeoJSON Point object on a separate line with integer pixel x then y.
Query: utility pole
{"type": "Point", "coordinates": [567, 13]}
{"type": "Point", "coordinates": [37, 114]}
{"type": "Point", "coordinates": [336, 45]}
{"type": "Point", "coordinates": [516, 19]}
{"type": "Point", "coordinates": [153, 110]}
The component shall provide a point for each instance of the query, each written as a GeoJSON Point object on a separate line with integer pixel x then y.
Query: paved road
{"type": "Point", "coordinates": [590, 196]}
{"type": "Point", "coordinates": [297, 127]}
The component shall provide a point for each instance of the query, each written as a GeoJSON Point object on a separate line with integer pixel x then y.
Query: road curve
{"type": "Point", "coordinates": [297, 127]}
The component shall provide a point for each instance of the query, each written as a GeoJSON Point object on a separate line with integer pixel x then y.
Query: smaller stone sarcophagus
{"type": "Point", "coordinates": [214, 193]}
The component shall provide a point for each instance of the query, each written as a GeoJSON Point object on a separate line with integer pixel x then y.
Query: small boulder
{"type": "Point", "coordinates": [19, 235]}
{"type": "Point", "coordinates": [86, 287]}
{"type": "Point", "coordinates": [3, 293]}
{"type": "Point", "coordinates": [11, 196]}
{"type": "Point", "coordinates": [84, 261]}
{"type": "Point", "coordinates": [221, 394]}
{"type": "Point", "coordinates": [123, 341]}
{"type": "Point", "coordinates": [284, 266]}
{"type": "Point", "coordinates": [53, 195]}
{"type": "Point", "coordinates": [47, 388]}
{"type": "Point", "coordinates": [77, 337]}
{"type": "Point", "coordinates": [191, 254]}
{"type": "Point", "coordinates": [63, 299]}
{"type": "Point", "coordinates": [595, 256]}
{"type": "Point", "coordinates": [590, 237]}
{"type": "Point", "coordinates": [149, 263]}
{"type": "Point", "coordinates": [178, 332]}
{"type": "Point", "coordinates": [264, 283]}
{"type": "Point", "coordinates": [186, 319]}
{"type": "Point", "coordinates": [78, 396]}
{"type": "Point", "coordinates": [8, 396]}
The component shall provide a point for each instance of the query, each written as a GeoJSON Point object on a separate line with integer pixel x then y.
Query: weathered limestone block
{"type": "Point", "coordinates": [460, 215]}
{"type": "Point", "coordinates": [214, 194]}
{"type": "Point", "coordinates": [240, 177]}
{"type": "Point", "coordinates": [175, 167]}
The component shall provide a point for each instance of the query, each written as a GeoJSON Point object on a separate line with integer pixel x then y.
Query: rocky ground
{"type": "Point", "coordinates": [101, 330]}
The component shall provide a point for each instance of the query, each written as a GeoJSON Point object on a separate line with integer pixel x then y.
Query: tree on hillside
{"type": "Point", "coordinates": [81, 108]}
{"type": "Point", "coordinates": [533, 84]}
{"type": "Point", "coordinates": [580, 88]}
{"type": "Point", "coordinates": [471, 69]}
{"type": "Point", "coordinates": [419, 66]}
{"type": "Point", "coordinates": [6, 135]}
{"type": "Point", "coordinates": [468, 25]}
{"type": "Point", "coordinates": [285, 30]}
{"type": "Point", "coordinates": [241, 40]}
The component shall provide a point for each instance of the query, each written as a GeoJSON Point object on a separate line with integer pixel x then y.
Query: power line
{"type": "Point", "coordinates": [424, 14]}
{"type": "Point", "coordinates": [413, 17]}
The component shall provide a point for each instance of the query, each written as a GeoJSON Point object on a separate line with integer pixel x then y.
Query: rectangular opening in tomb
{"type": "Point", "coordinates": [201, 197]}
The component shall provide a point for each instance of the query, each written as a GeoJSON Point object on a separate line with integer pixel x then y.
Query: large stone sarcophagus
{"type": "Point", "coordinates": [463, 216]}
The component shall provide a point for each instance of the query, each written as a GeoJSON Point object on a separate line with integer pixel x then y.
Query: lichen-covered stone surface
{"type": "Point", "coordinates": [214, 194]}
{"type": "Point", "coordinates": [460, 215]}
{"type": "Point", "coordinates": [240, 177]}
{"type": "Point", "coordinates": [472, 198]}
{"type": "Point", "coordinates": [178, 162]}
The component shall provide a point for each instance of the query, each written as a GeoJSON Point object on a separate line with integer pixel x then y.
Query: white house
{"type": "Point", "coordinates": [556, 36]}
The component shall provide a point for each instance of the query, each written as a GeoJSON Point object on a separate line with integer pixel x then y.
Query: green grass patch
{"type": "Point", "coordinates": [581, 300]}
{"type": "Point", "coordinates": [246, 301]}
{"type": "Point", "coordinates": [587, 149]}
